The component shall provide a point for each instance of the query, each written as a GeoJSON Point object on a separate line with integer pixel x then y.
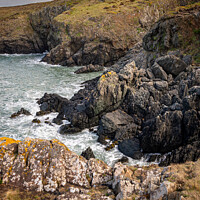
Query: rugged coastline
{"type": "Point", "coordinates": [146, 102]}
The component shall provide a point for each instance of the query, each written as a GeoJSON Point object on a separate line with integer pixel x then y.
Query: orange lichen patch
{"type": "Point", "coordinates": [4, 141]}
{"type": "Point", "coordinates": [55, 141]}
{"type": "Point", "coordinates": [108, 74]}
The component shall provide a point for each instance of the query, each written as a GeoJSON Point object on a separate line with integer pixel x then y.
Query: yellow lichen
{"type": "Point", "coordinates": [4, 141]}
{"type": "Point", "coordinates": [55, 141]}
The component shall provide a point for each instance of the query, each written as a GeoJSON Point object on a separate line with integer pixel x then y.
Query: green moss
{"type": "Point", "coordinates": [197, 31]}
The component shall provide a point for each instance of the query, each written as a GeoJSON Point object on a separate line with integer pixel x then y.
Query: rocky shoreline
{"type": "Point", "coordinates": [146, 102]}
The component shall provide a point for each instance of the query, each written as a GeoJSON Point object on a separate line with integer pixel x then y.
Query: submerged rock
{"type": "Point", "coordinates": [22, 111]}
{"type": "Point", "coordinates": [36, 121]}
{"type": "Point", "coordinates": [124, 159]}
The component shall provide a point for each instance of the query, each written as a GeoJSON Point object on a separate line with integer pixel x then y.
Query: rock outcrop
{"type": "Point", "coordinates": [43, 165]}
{"type": "Point", "coordinates": [49, 166]}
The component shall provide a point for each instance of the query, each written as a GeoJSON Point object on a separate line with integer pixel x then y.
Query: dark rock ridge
{"type": "Point", "coordinates": [49, 166]}
{"type": "Point", "coordinates": [147, 105]}
{"type": "Point", "coordinates": [89, 68]}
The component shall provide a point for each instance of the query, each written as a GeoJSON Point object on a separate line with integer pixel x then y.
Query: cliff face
{"type": "Point", "coordinates": [27, 29]}
{"type": "Point", "coordinates": [17, 35]}
{"type": "Point", "coordinates": [181, 31]}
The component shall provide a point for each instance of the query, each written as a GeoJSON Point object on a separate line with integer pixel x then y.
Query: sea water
{"type": "Point", "coordinates": [23, 79]}
{"type": "Point", "coordinates": [9, 3]}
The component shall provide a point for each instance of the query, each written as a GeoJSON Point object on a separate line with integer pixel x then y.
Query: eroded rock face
{"type": "Point", "coordinates": [163, 134]}
{"type": "Point", "coordinates": [43, 165]}
{"type": "Point", "coordinates": [49, 166]}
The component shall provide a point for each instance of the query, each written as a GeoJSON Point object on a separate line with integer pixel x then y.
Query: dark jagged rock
{"type": "Point", "coordinates": [89, 68]}
{"type": "Point", "coordinates": [51, 103]}
{"type": "Point", "coordinates": [88, 153]}
{"type": "Point", "coordinates": [57, 121]}
{"type": "Point", "coordinates": [36, 121]}
{"type": "Point", "coordinates": [22, 111]}
{"type": "Point", "coordinates": [190, 152]}
{"type": "Point", "coordinates": [163, 133]}
{"type": "Point", "coordinates": [124, 159]}
{"type": "Point", "coordinates": [131, 148]}
{"type": "Point", "coordinates": [155, 100]}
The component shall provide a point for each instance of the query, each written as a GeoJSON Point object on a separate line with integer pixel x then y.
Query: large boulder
{"type": "Point", "coordinates": [131, 148]}
{"type": "Point", "coordinates": [171, 64]}
{"type": "Point", "coordinates": [117, 125]}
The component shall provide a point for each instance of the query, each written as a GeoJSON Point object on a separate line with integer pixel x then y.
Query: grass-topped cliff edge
{"type": "Point", "coordinates": [79, 32]}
